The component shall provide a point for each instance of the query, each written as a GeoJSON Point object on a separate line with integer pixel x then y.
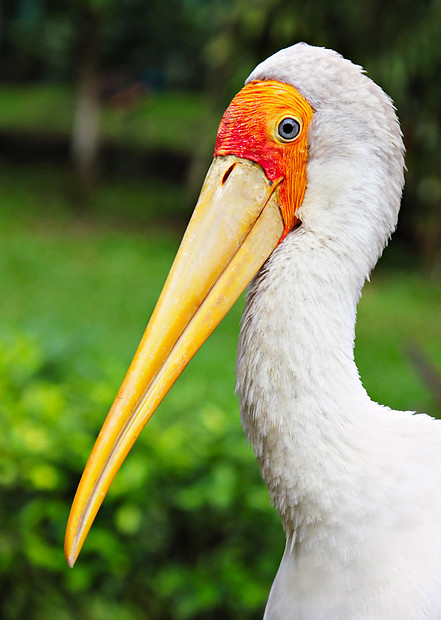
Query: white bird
{"type": "Point", "coordinates": [304, 191]}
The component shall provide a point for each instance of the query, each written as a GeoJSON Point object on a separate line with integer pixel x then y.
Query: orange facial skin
{"type": "Point", "coordinates": [248, 129]}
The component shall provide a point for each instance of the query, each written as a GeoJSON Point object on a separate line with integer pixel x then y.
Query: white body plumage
{"type": "Point", "coordinates": [357, 485]}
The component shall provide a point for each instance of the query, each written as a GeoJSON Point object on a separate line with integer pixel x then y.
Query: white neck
{"type": "Point", "coordinates": [340, 469]}
{"type": "Point", "coordinates": [302, 404]}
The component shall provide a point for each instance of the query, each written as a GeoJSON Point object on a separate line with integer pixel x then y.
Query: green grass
{"type": "Point", "coordinates": [42, 107]}
{"type": "Point", "coordinates": [398, 309]}
{"type": "Point", "coordinates": [45, 193]}
{"type": "Point", "coordinates": [169, 120]}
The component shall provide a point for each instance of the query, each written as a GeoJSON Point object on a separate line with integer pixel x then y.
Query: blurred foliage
{"type": "Point", "coordinates": [42, 39]}
{"type": "Point", "coordinates": [177, 487]}
{"type": "Point", "coordinates": [186, 531]}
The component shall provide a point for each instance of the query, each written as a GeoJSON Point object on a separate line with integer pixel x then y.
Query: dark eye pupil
{"type": "Point", "coordinates": [289, 129]}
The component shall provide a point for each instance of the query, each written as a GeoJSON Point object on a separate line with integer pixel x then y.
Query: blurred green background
{"type": "Point", "coordinates": [108, 116]}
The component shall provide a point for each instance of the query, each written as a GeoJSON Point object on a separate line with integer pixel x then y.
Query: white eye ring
{"type": "Point", "coordinates": [288, 129]}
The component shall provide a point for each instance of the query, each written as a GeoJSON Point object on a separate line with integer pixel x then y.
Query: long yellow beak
{"type": "Point", "coordinates": [235, 226]}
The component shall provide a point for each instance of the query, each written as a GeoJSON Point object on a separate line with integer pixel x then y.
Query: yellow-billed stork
{"type": "Point", "coordinates": [302, 195]}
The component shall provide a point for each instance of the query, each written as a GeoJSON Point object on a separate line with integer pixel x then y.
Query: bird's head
{"type": "Point", "coordinates": [355, 149]}
{"type": "Point", "coordinates": [267, 123]}
{"type": "Point", "coordinates": [306, 125]}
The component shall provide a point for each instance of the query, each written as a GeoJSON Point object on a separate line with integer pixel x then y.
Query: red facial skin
{"type": "Point", "coordinates": [249, 129]}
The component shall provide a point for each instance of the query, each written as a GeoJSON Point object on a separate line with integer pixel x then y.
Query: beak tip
{"type": "Point", "coordinates": [71, 559]}
{"type": "Point", "coordinates": [71, 552]}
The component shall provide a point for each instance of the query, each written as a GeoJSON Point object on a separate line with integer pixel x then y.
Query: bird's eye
{"type": "Point", "coordinates": [288, 129]}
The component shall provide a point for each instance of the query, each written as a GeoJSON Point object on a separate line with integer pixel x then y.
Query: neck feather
{"type": "Point", "coordinates": [302, 403]}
